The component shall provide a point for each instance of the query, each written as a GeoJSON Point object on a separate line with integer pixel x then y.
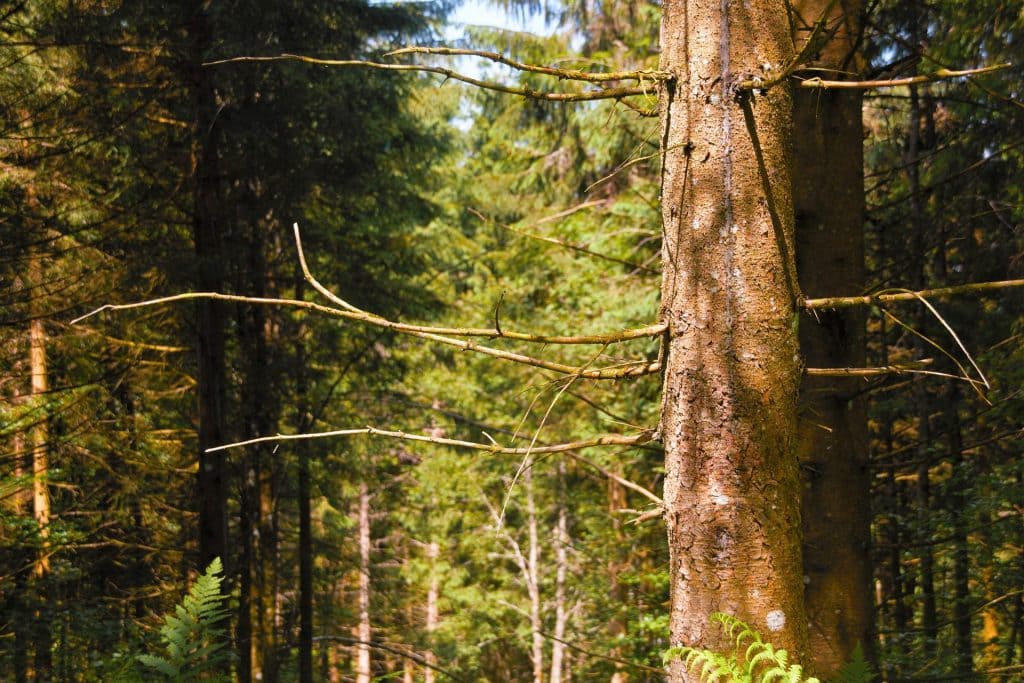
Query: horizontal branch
{"type": "Point", "coordinates": [606, 440]}
{"type": "Point", "coordinates": [562, 74]}
{"type": "Point", "coordinates": [889, 296]}
{"type": "Point", "coordinates": [587, 96]}
{"type": "Point", "coordinates": [939, 75]}
{"type": "Point", "coordinates": [631, 369]}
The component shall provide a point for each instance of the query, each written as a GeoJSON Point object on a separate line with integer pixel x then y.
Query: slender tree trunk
{"type": "Point", "coordinates": [39, 437]}
{"type": "Point", "coordinates": [433, 591]}
{"type": "Point", "coordinates": [828, 162]}
{"type": "Point", "coordinates": [304, 494]}
{"type": "Point", "coordinates": [561, 543]}
{"type": "Point", "coordinates": [729, 295]}
{"type": "Point", "coordinates": [533, 580]}
{"type": "Point", "coordinates": [363, 630]}
{"type": "Point", "coordinates": [616, 502]}
{"type": "Point", "coordinates": [961, 483]}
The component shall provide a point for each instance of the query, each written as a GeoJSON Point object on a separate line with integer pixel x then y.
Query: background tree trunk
{"type": "Point", "coordinates": [363, 630]}
{"type": "Point", "coordinates": [828, 162]}
{"type": "Point", "coordinates": [729, 295]}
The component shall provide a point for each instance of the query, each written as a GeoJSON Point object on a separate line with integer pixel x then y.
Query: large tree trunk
{"type": "Point", "coordinates": [729, 295]}
{"type": "Point", "coordinates": [828, 162]}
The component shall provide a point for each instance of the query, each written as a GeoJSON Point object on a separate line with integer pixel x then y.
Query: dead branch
{"type": "Point", "coordinates": [889, 296]}
{"type": "Point", "coordinates": [640, 75]}
{"type": "Point", "coordinates": [606, 440]}
{"type": "Point", "coordinates": [938, 75]}
{"type": "Point", "coordinates": [614, 93]}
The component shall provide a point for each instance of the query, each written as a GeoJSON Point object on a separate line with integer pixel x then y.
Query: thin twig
{"type": "Point", "coordinates": [562, 74]}
{"type": "Point", "coordinates": [606, 440]}
{"type": "Point", "coordinates": [565, 245]}
{"type": "Point", "coordinates": [401, 652]}
{"type": "Point", "coordinates": [587, 96]}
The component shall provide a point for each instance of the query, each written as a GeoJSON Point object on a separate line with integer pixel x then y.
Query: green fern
{"type": "Point", "coordinates": [194, 642]}
{"type": "Point", "coordinates": [753, 660]}
{"type": "Point", "coordinates": [857, 670]}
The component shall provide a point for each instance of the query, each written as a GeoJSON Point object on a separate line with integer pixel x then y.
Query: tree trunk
{"type": "Point", "coordinates": [211, 477]}
{"type": "Point", "coordinates": [960, 483]}
{"type": "Point", "coordinates": [363, 631]}
{"type": "Point", "coordinates": [561, 542]}
{"type": "Point", "coordinates": [39, 438]}
{"type": "Point", "coordinates": [533, 579]}
{"type": "Point", "coordinates": [729, 295]}
{"type": "Point", "coordinates": [304, 494]}
{"type": "Point", "coordinates": [828, 162]}
{"type": "Point", "coordinates": [433, 589]}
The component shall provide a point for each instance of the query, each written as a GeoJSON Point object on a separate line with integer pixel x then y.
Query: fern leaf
{"type": "Point", "coordinates": [857, 670]}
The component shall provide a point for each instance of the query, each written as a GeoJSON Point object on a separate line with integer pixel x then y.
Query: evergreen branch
{"type": "Point", "coordinates": [588, 96]}
{"type": "Point", "coordinates": [606, 440]}
{"type": "Point", "coordinates": [889, 296]}
{"type": "Point", "coordinates": [938, 75]}
{"type": "Point", "coordinates": [561, 74]}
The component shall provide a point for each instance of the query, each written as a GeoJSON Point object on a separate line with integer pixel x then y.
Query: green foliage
{"type": "Point", "coordinates": [755, 661]}
{"type": "Point", "coordinates": [193, 639]}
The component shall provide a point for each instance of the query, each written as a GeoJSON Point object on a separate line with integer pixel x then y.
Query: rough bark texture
{"type": "Point", "coordinates": [828, 163]}
{"type": "Point", "coordinates": [729, 290]}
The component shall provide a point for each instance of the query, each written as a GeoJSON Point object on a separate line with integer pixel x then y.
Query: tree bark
{"type": "Point", "coordinates": [833, 438]}
{"type": "Point", "coordinates": [729, 296]}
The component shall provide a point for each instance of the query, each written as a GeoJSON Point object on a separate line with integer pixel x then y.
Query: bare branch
{"type": "Point", "coordinates": [630, 369]}
{"type": "Point", "coordinates": [640, 75]}
{"type": "Point", "coordinates": [889, 296]}
{"type": "Point", "coordinates": [587, 96]}
{"type": "Point", "coordinates": [400, 651]}
{"type": "Point", "coordinates": [493, 333]}
{"type": "Point", "coordinates": [938, 75]}
{"type": "Point", "coordinates": [606, 440]}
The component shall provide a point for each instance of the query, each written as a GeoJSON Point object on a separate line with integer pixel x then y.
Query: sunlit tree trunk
{"type": "Point", "coordinates": [363, 630]}
{"type": "Point", "coordinates": [533, 579]}
{"type": "Point", "coordinates": [39, 439]}
{"type": "Point", "coordinates": [729, 296]}
{"type": "Point", "coordinates": [561, 543]}
{"type": "Point", "coordinates": [828, 163]}
{"type": "Point", "coordinates": [433, 620]}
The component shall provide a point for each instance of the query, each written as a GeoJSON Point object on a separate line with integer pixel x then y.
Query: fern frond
{"type": "Point", "coordinates": [857, 670]}
{"type": "Point", "coordinates": [191, 635]}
